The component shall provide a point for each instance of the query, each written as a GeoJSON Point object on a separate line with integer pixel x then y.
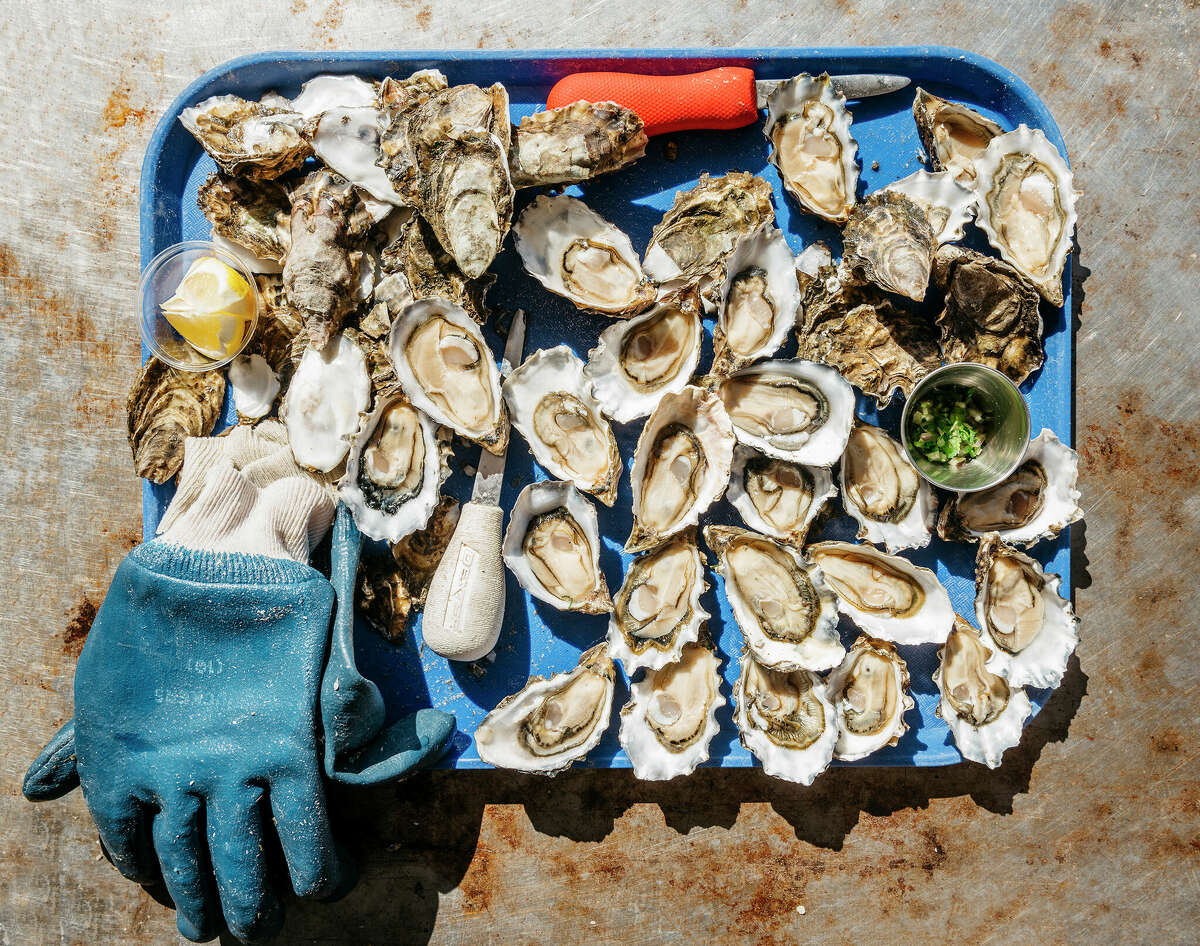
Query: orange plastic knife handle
{"type": "Point", "coordinates": [719, 98]}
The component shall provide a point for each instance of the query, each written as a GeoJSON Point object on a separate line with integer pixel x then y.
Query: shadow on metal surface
{"type": "Point", "coordinates": [1080, 577]}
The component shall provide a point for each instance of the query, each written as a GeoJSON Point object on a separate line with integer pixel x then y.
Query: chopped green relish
{"type": "Point", "coordinates": [948, 425]}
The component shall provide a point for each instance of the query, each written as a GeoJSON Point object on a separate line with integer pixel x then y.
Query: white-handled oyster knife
{"type": "Point", "coordinates": [465, 605]}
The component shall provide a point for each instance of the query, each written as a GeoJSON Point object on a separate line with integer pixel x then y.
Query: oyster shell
{"type": "Point", "coordinates": [551, 404]}
{"type": "Point", "coordinates": [444, 366]}
{"type": "Point", "coordinates": [882, 490]}
{"type": "Point", "coordinates": [809, 262]}
{"type": "Point", "coordinates": [165, 406]}
{"type": "Point", "coordinates": [574, 143]}
{"type": "Point", "coordinates": [869, 691]}
{"type": "Point", "coordinates": [658, 609]}
{"type": "Point", "coordinates": [954, 136]}
{"type": "Point", "coordinates": [888, 241]}
{"type": "Point", "coordinates": [808, 126]}
{"type": "Point", "coordinates": [885, 595]}
{"type": "Point", "coordinates": [254, 386]}
{"type": "Point", "coordinates": [347, 139]}
{"type": "Point", "coordinates": [759, 299]}
{"type": "Point", "coordinates": [1036, 502]}
{"type": "Point", "coordinates": [332, 91]}
{"type": "Point", "coordinates": [255, 216]}
{"type": "Point", "coordinates": [550, 724]}
{"type": "Point", "coordinates": [681, 466]}
{"type": "Point", "coordinates": [985, 714]}
{"type": "Point", "coordinates": [777, 497]}
{"type": "Point", "coordinates": [1026, 199]}
{"type": "Point", "coordinates": [785, 610]}
{"type": "Point", "coordinates": [785, 719]}
{"type": "Point", "coordinates": [325, 401]}
{"type": "Point", "coordinates": [949, 205]}
{"type": "Point", "coordinates": [794, 410]}
{"type": "Point", "coordinates": [640, 360]}
{"type": "Point", "coordinates": [577, 254]}
{"type": "Point", "coordinates": [430, 272]}
{"type": "Point", "coordinates": [671, 716]}
{"type": "Point", "coordinates": [552, 546]}
{"type": "Point", "coordinates": [991, 313]}
{"type": "Point", "coordinates": [258, 141]}
{"type": "Point", "coordinates": [1029, 628]}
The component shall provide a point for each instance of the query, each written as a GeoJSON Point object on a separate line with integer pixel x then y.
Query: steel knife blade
{"type": "Point", "coordinates": [856, 86]}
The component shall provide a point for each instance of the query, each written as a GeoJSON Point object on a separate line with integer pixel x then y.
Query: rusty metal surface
{"type": "Point", "coordinates": [1090, 831]}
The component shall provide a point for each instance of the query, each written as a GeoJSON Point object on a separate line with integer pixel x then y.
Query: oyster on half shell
{"type": "Point", "coordinates": [248, 138]}
{"type": "Point", "coordinates": [777, 497]}
{"type": "Point", "coordinates": [574, 143]}
{"type": "Point", "coordinates": [869, 691]}
{"type": "Point", "coordinates": [884, 492]}
{"type": "Point", "coordinates": [954, 135]}
{"type": "Point", "coordinates": [888, 240]}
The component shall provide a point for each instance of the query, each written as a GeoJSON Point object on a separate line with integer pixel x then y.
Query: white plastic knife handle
{"type": "Point", "coordinates": [465, 605]}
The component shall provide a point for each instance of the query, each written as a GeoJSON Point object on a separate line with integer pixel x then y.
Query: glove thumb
{"type": "Point", "coordinates": [53, 772]}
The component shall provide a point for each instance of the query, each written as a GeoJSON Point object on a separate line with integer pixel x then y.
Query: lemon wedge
{"type": "Point", "coordinates": [212, 307]}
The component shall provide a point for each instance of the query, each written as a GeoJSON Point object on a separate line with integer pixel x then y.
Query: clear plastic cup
{"type": "Point", "coordinates": [159, 282]}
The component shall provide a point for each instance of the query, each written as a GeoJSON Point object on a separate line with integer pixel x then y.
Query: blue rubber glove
{"type": "Point", "coordinates": [196, 720]}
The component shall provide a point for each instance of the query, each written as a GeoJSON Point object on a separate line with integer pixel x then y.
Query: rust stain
{"type": "Point", "coordinates": [1166, 740]}
{"type": "Point", "coordinates": [480, 881]}
{"type": "Point", "coordinates": [424, 16]}
{"type": "Point", "coordinates": [79, 622]}
{"type": "Point", "coordinates": [329, 23]}
{"type": "Point", "coordinates": [117, 112]}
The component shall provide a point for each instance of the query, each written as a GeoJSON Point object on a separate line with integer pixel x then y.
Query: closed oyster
{"type": "Point", "coordinates": [444, 366]}
{"type": "Point", "coordinates": [954, 136]}
{"type": "Point", "coordinates": [552, 546]}
{"type": "Point", "coordinates": [640, 360]}
{"type": "Point", "coordinates": [794, 410]}
{"type": "Point", "coordinates": [681, 466]}
{"type": "Point", "coordinates": [949, 205]}
{"type": "Point", "coordinates": [882, 490]}
{"type": "Point", "coordinates": [984, 713]}
{"type": "Point", "coordinates": [1029, 628]}
{"type": "Point", "coordinates": [785, 719]}
{"type": "Point", "coordinates": [551, 404]}
{"type": "Point", "coordinates": [430, 272]}
{"type": "Point", "coordinates": [325, 401]}
{"type": "Point", "coordinates": [574, 143]}
{"type": "Point", "coordinates": [254, 386]}
{"type": "Point", "coordinates": [395, 471]}
{"type": "Point", "coordinates": [808, 126]}
{"type": "Point", "coordinates": [888, 241]}
{"type": "Point", "coordinates": [671, 716]}
{"type": "Point", "coordinates": [258, 141]}
{"type": "Point", "coordinates": [778, 497]}
{"type": "Point", "coordinates": [165, 406]}
{"type": "Point", "coordinates": [759, 300]}
{"type": "Point", "coordinates": [1026, 198]}
{"type": "Point", "coordinates": [869, 691]}
{"type": "Point", "coordinates": [1036, 502]}
{"type": "Point", "coordinates": [785, 610]}
{"type": "Point", "coordinates": [255, 216]}
{"type": "Point", "coordinates": [550, 724]}
{"type": "Point", "coordinates": [885, 595]}
{"type": "Point", "coordinates": [577, 254]}
{"type": "Point", "coordinates": [347, 138]}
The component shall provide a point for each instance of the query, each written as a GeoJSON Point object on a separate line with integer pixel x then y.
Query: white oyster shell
{"type": "Point", "coordinates": [254, 386]}
{"type": "Point", "coordinates": [883, 491]}
{"type": "Point", "coordinates": [872, 681]}
{"type": "Point", "coordinates": [810, 259]}
{"type": "Point", "coordinates": [949, 204]}
{"type": "Point", "coordinates": [347, 139]}
{"type": "Point", "coordinates": [321, 93]}
{"type": "Point", "coordinates": [253, 263]}
{"type": "Point", "coordinates": [328, 394]}
{"type": "Point", "coordinates": [777, 508]}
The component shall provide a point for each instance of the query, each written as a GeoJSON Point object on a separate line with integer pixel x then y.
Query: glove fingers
{"type": "Point", "coordinates": [124, 826]}
{"type": "Point", "coordinates": [302, 822]}
{"type": "Point", "coordinates": [235, 842]}
{"type": "Point", "coordinates": [178, 832]}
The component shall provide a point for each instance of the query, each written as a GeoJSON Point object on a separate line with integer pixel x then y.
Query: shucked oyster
{"type": "Point", "coordinates": [888, 241]}
{"type": "Point", "coordinates": [549, 724]}
{"type": "Point", "coordinates": [325, 401]}
{"type": "Point", "coordinates": [984, 712]}
{"type": "Point", "coordinates": [778, 497]}
{"type": "Point", "coordinates": [681, 465]}
{"type": "Point", "coordinates": [255, 215]}
{"type": "Point", "coordinates": [249, 138]}
{"type": "Point", "coordinates": [1036, 502]}
{"type": "Point", "coordinates": [658, 610]}
{"type": "Point", "coordinates": [444, 366]}
{"type": "Point", "coordinates": [166, 406]}
{"type": "Point", "coordinates": [949, 206]}
{"type": "Point", "coordinates": [551, 404]}
{"type": "Point", "coordinates": [1030, 630]}
{"type": "Point", "coordinates": [575, 253]}
{"type": "Point", "coordinates": [430, 272]}
{"type": "Point", "coordinates": [785, 610]}
{"type": "Point", "coordinates": [1026, 199]}
{"type": "Point", "coordinates": [552, 546]}
{"type": "Point", "coordinates": [671, 716]}
{"type": "Point", "coordinates": [882, 490]}
{"type": "Point", "coordinates": [808, 126]}
{"type": "Point", "coordinates": [954, 136]}
{"type": "Point", "coordinates": [574, 143]}
{"type": "Point", "coordinates": [869, 691]}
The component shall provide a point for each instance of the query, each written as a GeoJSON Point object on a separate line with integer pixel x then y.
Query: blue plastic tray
{"type": "Point", "coordinates": [537, 639]}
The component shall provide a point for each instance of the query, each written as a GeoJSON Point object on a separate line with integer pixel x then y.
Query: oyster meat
{"type": "Point", "coordinates": [657, 611]}
{"type": "Point", "coordinates": [574, 143]}
{"type": "Point", "coordinates": [869, 691]}
{"type": "Point", "coordinates": [808, 126]}
{"type": "Point", "coordinates": [550, 724]}
{"type": "Point", "coordinates": [954, 136]}
{"type": "Point", "coordinates": [325, 401]}
{"type": "Point", "coordinates": [551, 404]}
{"type": "Point", "coordinates": [793, 410]}
{"type": "Point", "coordinates": [577, 254]}
{"type": "Point", "coordinates": [165, 406]}
{"type": "Point", "coordinates": [948, 204]}
{"type": "Point", "coordinates": [882, 490]}
{"type": "Point", "coordinates": [984, 712]}
{"type": "Point", "coordinates": [253, 215]}
{"type": "Point", "coordinates": [1029, 628]}
{"type": "Point", "coordinates": [681, 466]}
{"type": "Point", "coordinates": [1036, 502]}
{"type": "Point", "coordinates": [552, 546]}
{"type": "Point", "coordinates": [444, 366]}
{"type": "Point", "coordinates": [1026, 199]}
{"type": "Point", "coordinates": [889, 242]}
{"type": "Point", "coordinates": [885, 595]}
{"type": "Point", "coordinates": [429, 271]}
{"type": "Point", "coordinates": [258, 141]}
{"type": "Point", "coordinates": [671, 716]}
{"type": "Point", "coordinates": [777, 497]}
{"type": "Point", "coordinates": [254, 386]}
{"type": "Point", "coordinates": [785, 610]}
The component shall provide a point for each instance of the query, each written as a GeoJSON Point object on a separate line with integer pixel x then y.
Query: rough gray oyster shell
{"type": "Point", "coordinates": [253, 215]}
{"type": "Point", "coordinates": [952, 134]}
{"type": "Point", "coordinates": [574, 143]}
{"type": "Point", "coordinates": [166, 406]}
{"type": "Point", "coordinates": [888, 241]}
{"type": "Point", "coordinates": [250, 138]}
{"type": "Point", "coordinates": [430, 271]}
